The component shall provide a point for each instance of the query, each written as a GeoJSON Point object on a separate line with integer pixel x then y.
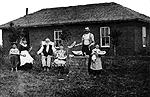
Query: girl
{"type": "Point", "coordinates": [60, 60]}
{"type": "Point", "coordinates": [96, 63]}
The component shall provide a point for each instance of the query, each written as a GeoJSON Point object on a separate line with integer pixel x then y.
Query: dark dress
{"type": "Point", "coordinates": [27, 65]}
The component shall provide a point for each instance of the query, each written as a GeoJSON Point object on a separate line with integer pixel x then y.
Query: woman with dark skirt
{"type": "Point", "coordinates": [26, 61]}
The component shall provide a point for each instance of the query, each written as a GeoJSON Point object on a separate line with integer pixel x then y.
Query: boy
{"type": "Point", "coordinates": [14, 56]}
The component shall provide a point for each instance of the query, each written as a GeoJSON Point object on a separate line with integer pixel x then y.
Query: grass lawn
{"type": "Point", "coordinates": [121, 77]}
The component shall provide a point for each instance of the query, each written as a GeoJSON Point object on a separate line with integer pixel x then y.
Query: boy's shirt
{"type": "Point", "coordinates": [14, 51]}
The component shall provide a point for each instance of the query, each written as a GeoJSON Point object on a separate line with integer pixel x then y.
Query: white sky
{"type": "Point", "coordinates": [13, 9]}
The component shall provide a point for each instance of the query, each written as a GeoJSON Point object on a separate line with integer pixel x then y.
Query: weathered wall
{"type": "Point", "coordinates": [6, 43]}
{"type": "Point", "coordinates": [130, 41]}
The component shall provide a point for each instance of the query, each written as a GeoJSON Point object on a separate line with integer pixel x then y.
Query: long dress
{"type": "Point", "coordinates": [26, 61]}
{"type": "Point", "coordinates": [96, 63]}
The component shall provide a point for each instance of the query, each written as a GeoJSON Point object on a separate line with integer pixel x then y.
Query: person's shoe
{"type": "Point", "coordinates": [47, 69]}
{"type": "Point", "coordinates": [12, 69]}
{"type": "Point", "coordinates": [16, 69]}
{"type": "Point", "coordinates": [44, 69]}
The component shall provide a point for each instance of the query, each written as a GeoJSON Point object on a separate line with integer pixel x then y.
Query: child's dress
{"type": "Point", "coordinates": [96, 63]}
{"type": "Point", "coordinates": [14, 57]}
{"type": "Point", "coordinates": [60, 58]}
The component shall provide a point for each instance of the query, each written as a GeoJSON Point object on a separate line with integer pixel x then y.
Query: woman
{"type": "Point", "coordinates": [26, 60]}
{"type": "Point", "coordinates": [96, 63]}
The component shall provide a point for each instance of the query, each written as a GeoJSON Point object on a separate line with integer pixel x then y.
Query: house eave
{"type": "Point", "coordinates": [77, 22]}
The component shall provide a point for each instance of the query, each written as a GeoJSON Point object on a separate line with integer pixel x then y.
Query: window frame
{"type": "Point", "coordinates": [144, 37]}
{"type": "Point", "coordinates": [107, 46]}
{"type": "Point", "coordinates": [57, 39]}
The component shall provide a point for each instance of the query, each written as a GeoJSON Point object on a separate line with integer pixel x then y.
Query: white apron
{"type": "Point", "coordinates": [26, 59]}
{"type": "Point", "coordinates": [96, 64]}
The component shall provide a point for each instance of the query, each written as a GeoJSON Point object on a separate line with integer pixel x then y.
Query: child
{"type": "Point", "coordinates": [60, 60]}
{"type": "Point", "coordinates": [96, 64]}
{"type": "Point", "coordinates": [14, 56]}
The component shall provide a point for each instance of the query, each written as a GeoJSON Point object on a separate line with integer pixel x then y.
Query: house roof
{"type": "Point", "coordinates": [78, 14]}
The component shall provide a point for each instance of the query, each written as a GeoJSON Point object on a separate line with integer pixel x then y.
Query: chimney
{"type": "Point", "coordinates": [26, 11]}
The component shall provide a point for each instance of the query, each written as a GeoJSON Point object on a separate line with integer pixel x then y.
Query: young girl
{"type": "Point", "coordinates": [60, 60]}
{"type": "Point", "coordinates": [96, 63]}
{"type": "Point", "coordinates": [14, 56]}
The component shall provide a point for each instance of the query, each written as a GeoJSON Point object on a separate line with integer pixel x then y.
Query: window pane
{"type": "Point", "coordinates": [106, 31]}
{"type": "Point", "coordinates": [103, 41]}
{"type": "Point", "coordinates": [102, 31]}
{"type": "Point", "coordinates": [144, 36]}
{"type": "Point", "coordinates": [59, 35]}
{"type": "Point", "coordinates": [58, 42]}
{"type": "Point", "coordinates": [144, 41]}
{"type": "Point", "coordinates": [56, 35]}
{"type": "Point", "coordinates": [144, 31]}
{"type": "Point", "coordinates": [107, 41]}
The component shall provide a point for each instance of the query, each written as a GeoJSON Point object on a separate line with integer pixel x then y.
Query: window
{"type": "Point", "coordinates": [144, 36]}
{"type": "Point", "coordinates": [104, 37]}
{"type": "Point", "coordinates": [57, 39]}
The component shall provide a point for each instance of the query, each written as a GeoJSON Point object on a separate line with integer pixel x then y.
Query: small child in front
{"type": "Point", "coordinates": [14, 56]}
{"type": "Point", "coordinates": [60, 60]}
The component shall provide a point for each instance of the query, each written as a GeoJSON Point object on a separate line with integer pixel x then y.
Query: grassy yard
{"type": "Point", "coordinates": [121, 77]}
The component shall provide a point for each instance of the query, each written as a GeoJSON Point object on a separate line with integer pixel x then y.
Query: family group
{"type": "Point", "coordinates": [21, 59]}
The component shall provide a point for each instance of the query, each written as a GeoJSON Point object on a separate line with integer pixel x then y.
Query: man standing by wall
{"type": "Point", "coordinates": [87, 43]}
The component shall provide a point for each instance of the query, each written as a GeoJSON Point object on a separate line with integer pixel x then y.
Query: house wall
{"type": "Point", "coordinates": [126, 40]}
{"type": "Point", "coordinates": [138, 38]}
{"type": "Point", "coordinates": [6, 43]}
{"type": "Point", "coordinates": [130, 41]}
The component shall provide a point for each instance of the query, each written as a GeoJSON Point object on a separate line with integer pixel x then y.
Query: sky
{"type": "Point", "coordinates": [13, 9]}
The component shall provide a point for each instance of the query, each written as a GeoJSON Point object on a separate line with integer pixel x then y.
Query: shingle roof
{"type": "Point", "coordinates": [78, 14]}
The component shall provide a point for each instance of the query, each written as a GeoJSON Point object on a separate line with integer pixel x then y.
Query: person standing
{"type": "Point", "coordinates": [26, 61]}
{"type": "Point", "coordinates": [14, 56]}
{"type": "Point", "coordinates": [96, 63]}
{"type": "Point", "coordinates": [87, 43]}
{"type": "Point", "coordinates": [46, 51]}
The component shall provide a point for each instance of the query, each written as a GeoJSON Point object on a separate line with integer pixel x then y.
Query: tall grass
{"type": "Point", "coordinates": [121, 77]}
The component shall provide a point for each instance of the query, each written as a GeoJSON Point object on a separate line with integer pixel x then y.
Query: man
{"type": "Point", "coordinates": [46, 51]}
{"type": "Point", "coordinates": [87, 43]}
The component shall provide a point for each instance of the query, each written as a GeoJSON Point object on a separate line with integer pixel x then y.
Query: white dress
{"type": "Point", "coordinates": [96, 63]}
{"type": "Point", "coordinates": [25, 56]}
{"type": "Point", "coordinates": [60, 58]}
